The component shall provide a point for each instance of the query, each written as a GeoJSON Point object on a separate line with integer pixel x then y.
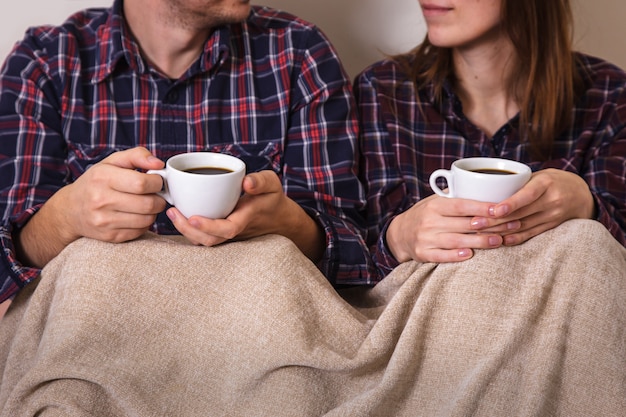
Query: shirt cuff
{"type": "Point", "coordinates": [383, 258]}
{"type": "Point", "coordinates": [14, 275]}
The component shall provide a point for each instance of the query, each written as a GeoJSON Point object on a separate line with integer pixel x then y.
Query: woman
{"type": "Point", "coordinates": [518, 308]}
{"type": "Point", "coordinates": [492, 78]}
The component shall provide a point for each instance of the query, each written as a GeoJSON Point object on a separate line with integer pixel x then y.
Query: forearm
{"type": "Point", "coordinates": [44, 236]}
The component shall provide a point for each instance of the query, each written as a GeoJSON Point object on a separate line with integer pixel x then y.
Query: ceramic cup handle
{"type": "Point", "coordinates": [165, 193]}
{"type": "Point", "coordinates": [442, 173]}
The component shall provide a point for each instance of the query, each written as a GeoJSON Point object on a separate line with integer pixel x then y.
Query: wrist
{"type": "Point", "coordinates": [392, 241]}
{"type": "Point", "coordinates": [305, 232]}
{"type": "Point", "coordinates": [60, 218]}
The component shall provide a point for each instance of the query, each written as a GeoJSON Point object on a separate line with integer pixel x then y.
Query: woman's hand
{"type": "Point", "coordinates": [263, 209]}
{"type": "Point", "coordinates": [551, 197]}
{"type": "Point", "coordinates": [439, 229]}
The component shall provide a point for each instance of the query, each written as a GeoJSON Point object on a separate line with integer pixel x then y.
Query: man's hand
{"type": "Point", "coordinates": [111, 201]}
{"type": "Point", "coordinates": [263, 209]}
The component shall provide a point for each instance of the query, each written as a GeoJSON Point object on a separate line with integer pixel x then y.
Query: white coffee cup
{"type": "Point", "coordinates": [211, 195]}
{"type": "Point", "coordinates": [482, 179]}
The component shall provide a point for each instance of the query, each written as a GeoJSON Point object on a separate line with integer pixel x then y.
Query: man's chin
{"type": "Point", "coordinates": [237, 13]}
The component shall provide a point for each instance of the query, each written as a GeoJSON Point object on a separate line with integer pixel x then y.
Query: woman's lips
{"type": "Point", "coordinates": [431, 10]}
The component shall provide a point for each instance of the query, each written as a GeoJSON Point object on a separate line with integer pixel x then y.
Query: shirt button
{"type": "Point", "coordinates": [171, 97]}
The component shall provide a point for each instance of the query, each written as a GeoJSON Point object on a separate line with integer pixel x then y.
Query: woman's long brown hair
{"type": "Point", "coordinates": [545, 79]}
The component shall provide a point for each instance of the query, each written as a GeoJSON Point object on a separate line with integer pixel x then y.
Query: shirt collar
{"type": "Point", "coordinates": [118, 47]}
{"type": "Point", "coordinates": [451, 101]}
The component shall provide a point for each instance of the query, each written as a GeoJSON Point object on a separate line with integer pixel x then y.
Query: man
{"type": "Point", "coordinates": [88, 107]}
{"type": "Point", "coordinates": [121, 90]}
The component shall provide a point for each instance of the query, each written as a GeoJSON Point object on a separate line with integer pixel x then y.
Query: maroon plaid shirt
{"type": "Point", "coordinates": [401, 150]}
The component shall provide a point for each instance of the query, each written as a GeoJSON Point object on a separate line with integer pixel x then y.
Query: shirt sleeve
{"type": "Point", "coordinates": [32, 166]}
{"type": "Point", "coordinates": [605, 171]}
{"type": "Point", "coordinates": [387, 191]}
{"type": "Point", "coordinates": [320, 161]}
{"type": "Point", "coordinates": [595, 146]}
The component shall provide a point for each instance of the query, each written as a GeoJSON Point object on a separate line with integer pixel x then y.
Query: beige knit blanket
{"type": "Point", "coordinates": [157, 327]}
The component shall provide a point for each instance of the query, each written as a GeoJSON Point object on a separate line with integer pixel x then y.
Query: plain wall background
{"type": "Point", "coordinates": [361, 30]}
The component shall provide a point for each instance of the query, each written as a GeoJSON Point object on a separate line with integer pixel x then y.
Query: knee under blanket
{"type": "Point", "coordinates": [158, 327]}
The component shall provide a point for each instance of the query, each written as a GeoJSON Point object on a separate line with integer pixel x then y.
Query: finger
{"type": "Point", "coordinates": [109, 208]}
{"type": "Point", "coordinates": [531, 192]}
{"type": "Point", "coordinates": [135, 158]}
{"type": "Point", "coordinates": [454, 247]}
{"type": "Point", "coordinates": [262, 182]}
{"type": "Point", "coordinates": [118, 227]}
{"type": "Point", "coordinates": [466, 225]}
{"type": "Point", "coordinates": [457, 247]}
{"type": "Point", "coordinates": [202, 231]}
{"type": "Point", "coordinates": [149, 204]}
{"type": "Point", "coordinates": [487, 225]}
{"type": "Point", "coordinates": [125, 180]}
{"type": "Point", "coordinates": [469, 240]}
{"type": "Point", "coordinates": [527, 233]}
{"type": "Point", "coordinates": [448, 255]}
{"type": "Point", "coordinates": [457, 207]}
{"type": "Point", "coordinates": [135, 182]}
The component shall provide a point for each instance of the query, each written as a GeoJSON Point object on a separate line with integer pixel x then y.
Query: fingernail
{"type": "Point", "coordinates": [249, 181]}
{"type": "Point", "coordinates": [465, 253]}
{"type": "Point", "coordinates": [171, 215]}
{"type": "Point", "coordinates": [494, 240]}
{"type": "Point", "coordinates": [492, 211]}
{"type": "Point", "coordinates": [478, 223]}
{"type": "Point", "coordinates": [503, 210]}
{"type": "Point", "coordinates": [513, 225]}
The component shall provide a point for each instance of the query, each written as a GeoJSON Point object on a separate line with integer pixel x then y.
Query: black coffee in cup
{"type": "Point", "coordinates": [493, 171]}
{"type": "Point", "coordinates": [208, 170]}
{"type": "Point", "coordinates": [207, 192]}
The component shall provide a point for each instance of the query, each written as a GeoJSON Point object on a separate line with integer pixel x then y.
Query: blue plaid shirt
{"type": "Point", "coordinates": [401, 147]}
{"type": "Point", "coordinates": [270, 90]}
